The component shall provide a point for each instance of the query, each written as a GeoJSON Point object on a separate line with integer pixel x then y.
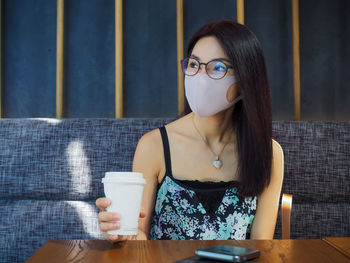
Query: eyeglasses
{"type": "Point", "coordinates": [216, 69]}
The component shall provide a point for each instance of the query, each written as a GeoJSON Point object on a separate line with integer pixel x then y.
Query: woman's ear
{"type": "Point", "coordinates": [232, 92]}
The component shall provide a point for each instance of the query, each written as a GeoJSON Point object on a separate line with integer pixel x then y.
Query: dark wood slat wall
{"type": "Point", "coordinates": [121, 102]}
{"type": "Point", "coordinates": [59, 59]}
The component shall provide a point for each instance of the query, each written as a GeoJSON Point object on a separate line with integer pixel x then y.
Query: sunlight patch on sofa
{"type": "Point", "coordinates": [88, 216]}
{"type": "Point", "coordinates": [80, 171]}
{"type": "Point", "coordinates": [49, 120]}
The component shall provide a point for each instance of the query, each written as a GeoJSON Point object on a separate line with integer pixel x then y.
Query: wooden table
{"type": "Point", "coordinates": [297, 250]}
{"type": "Point", "coordinates": [342, 244]}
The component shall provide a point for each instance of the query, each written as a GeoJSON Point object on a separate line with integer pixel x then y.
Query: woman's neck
{"type": "Point", "coordinates": [215, 129]}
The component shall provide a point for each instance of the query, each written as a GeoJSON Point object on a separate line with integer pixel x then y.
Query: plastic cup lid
{"type": "Point", "coordinates": [123, 177]}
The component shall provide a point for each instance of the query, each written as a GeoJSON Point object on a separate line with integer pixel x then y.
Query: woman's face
{"type": "Point", "coordinates": [208, 49]}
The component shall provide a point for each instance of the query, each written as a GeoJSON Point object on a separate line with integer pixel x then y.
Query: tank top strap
{"type": "Point", "coordinates": [166, 150]}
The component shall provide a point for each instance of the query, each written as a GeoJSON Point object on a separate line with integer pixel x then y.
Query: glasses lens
{"type": "Point", "coordinates": [190, 66]}
{"type": "Point", "coordinates": [216, 69]}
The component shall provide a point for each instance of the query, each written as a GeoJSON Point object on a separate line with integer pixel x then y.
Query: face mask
{"type": "Point", "coordinates": [207, 96]}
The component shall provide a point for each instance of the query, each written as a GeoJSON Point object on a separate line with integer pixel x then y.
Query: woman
{"type": "Point", "coordinates": [215, 173]}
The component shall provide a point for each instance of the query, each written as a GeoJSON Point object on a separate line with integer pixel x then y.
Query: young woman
{"type": "Point", "coordinates": [215, 173]}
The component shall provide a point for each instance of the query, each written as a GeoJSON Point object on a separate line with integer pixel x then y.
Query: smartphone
{"type": "Point", "coordinates": [195, 259]}
{"type": "Point", "coordinates": [228, 253]}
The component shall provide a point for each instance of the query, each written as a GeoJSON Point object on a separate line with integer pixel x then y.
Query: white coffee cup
{"type": "Point", "coordinates": [125, 190]}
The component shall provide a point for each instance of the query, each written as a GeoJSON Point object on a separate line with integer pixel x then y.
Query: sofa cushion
{"type": "Point", "coordinates": [26, 225]}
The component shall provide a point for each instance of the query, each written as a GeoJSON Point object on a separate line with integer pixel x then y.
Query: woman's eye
{"type": "Point", "coordinates": [219, 67]}
{"type": "Point", "coordinates": [193, 65]}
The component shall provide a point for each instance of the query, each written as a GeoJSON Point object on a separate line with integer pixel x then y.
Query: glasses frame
{"type": "Point", "coordinates": [206, 67]}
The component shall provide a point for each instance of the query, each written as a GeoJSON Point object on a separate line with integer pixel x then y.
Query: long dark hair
{"type": "Point", "coordinates": [252, 115]}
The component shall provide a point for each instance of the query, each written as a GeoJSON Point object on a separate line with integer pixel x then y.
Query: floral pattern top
{"type": "Point", "coordinates": [178, 215]}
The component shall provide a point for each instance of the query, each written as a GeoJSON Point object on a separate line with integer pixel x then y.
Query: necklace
{"type": "Point", "coordinates": [217, 162]}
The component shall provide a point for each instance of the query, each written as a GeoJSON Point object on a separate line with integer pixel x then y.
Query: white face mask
{"type": "Point", "coordinates": [207, 96]}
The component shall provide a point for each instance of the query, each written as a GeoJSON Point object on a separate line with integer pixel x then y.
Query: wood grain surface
{"type": "Point", "coordinates": [297, 250]}
{"type": "Point", "coordinates": [340, 243]}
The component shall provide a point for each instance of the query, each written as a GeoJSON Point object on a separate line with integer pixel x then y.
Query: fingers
{"type": "Point", "coordinates": [117, 238]}
{"type": "Point", "coordinates": [102, 203]}
{"type": "Point", "coordinates": [142, 214]}
{"type": "Point", "coordinates": [108, 220]}
{"type": "Point", "coordinates": [108, 226]}
{"type": "Point", "coordinates": [112, 238]}
{"type": "Point", "coordinates": [111, 221]}
{"type": "Point", "coordinates": [121, 238]}
{"type": "Point", "coordinates": [108, 216]}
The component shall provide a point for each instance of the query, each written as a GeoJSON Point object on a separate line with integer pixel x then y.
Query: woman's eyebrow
{"type": "Point", "coordinates": [223, 59]}
{"type": "Point", "coordinates": [195, 57]}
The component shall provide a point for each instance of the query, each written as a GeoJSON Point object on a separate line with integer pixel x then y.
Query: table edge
{"type": "Point", "coordinates": [336, 247]}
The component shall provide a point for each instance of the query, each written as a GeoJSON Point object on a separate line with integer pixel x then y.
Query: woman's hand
{"type": "Point", "coordinates": [111, 221]}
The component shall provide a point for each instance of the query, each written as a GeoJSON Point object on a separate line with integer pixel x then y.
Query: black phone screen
{"type": "Point", "coordinates": [228, 253]}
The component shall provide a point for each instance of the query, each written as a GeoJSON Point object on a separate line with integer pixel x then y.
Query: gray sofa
{"type": "Point", "coordinates": [51, 170]}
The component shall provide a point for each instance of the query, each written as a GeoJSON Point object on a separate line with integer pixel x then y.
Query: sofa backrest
{"type": "Point", "coordinates": [51, 170]}
{"type": "Point", "coordinates": [317, 174]}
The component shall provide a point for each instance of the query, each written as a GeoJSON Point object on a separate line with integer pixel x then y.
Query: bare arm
{"type": "Point", "coordinates": [266, 215]}
{"type": "Point", "coordinates": [148, 159]}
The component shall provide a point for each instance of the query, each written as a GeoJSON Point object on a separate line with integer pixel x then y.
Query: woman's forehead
{"type": "Point", "coordinates": [208, 48]}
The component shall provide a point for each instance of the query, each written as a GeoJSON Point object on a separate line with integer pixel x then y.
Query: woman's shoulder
{"type": "Point", "coordinates": [277, 163]}
{"type": "Point", "coordinates": [153, 138]}
{"type": "Point", "coordinates": [149, 151]}
{"type": "Point", "coordinates": [148, 154]}
{"type": "Point", "coordinates": [150, 141]}
{"type": "Point", "coordinates": [277, 148]}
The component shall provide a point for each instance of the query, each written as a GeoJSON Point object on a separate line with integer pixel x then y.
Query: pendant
{"type": "Point", "coordinates": [217, 163]}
